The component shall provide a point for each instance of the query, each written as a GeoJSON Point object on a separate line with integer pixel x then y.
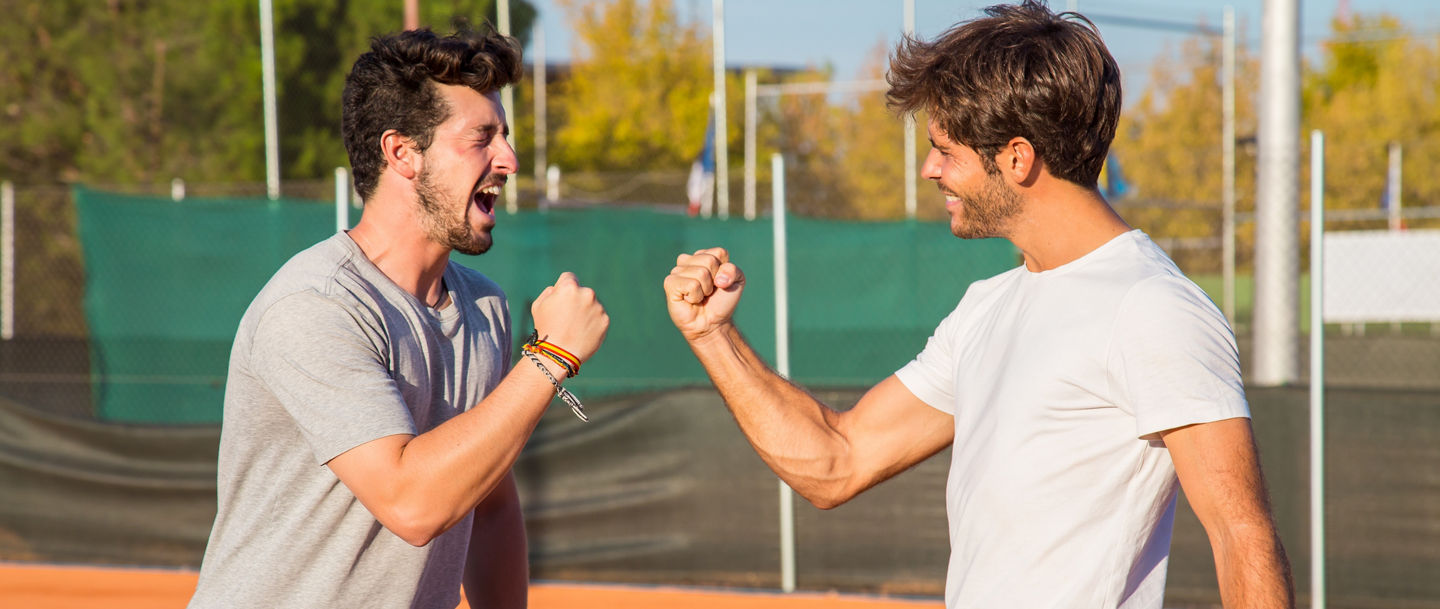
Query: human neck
{"type": "Point", "coordinates": [1061, 223]}
{"type": "Point", "coordinates": [391, 236]}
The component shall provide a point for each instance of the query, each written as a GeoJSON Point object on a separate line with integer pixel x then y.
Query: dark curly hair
{"type": "Point", "coordinates": [393, 87]}
{"type": "Point", "coordinates": [1019, 71]}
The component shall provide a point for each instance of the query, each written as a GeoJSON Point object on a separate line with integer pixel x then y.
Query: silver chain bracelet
{"type": "Point", "coordinates": [564, 394]}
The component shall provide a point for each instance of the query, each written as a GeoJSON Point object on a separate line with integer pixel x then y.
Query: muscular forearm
{"type": "Point", "coordinates": [793, 432]}
{"type": "Point", "coordinates": [1252, 569]}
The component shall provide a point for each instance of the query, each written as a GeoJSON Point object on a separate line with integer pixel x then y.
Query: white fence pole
{"type": "Point", "coordinates": [267, 80]}
{"type": "Point", "coordinates": [7, 260]}
{"type": "Point", "coordinates": [1317, 370]}
{"type": "Point", "coordinates": [342, 199]}
{"type": "Point", "coordinates": [552, 184]}
{"type": "Point", "coordinates": [541, 112]}
{"type": "Point", "coordinates": [910, 173]}
{"type": "Point", "coordinates": [1227, 153]}
{"type": "Point", "coordinates": [1392, 187]}
{"type": "Point", "coordinates": [722, 142]}
{"type": "Point", "coordinates": [177, 189]}
{"type": "Point", "coordinates": [782, 363]}
{"type": "Point", "coordinates": [750, 120]}
{"type": "Point", "coordinates": [507, 101]}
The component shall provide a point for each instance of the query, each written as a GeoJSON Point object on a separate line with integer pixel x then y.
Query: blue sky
{"type": "Point", "coordinates": [841, 33]}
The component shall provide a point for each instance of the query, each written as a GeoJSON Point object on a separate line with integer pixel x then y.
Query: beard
{"type": "Point", "coordinates": [986, 213]}
{"type": "Point", "coordinates": [442, 225]}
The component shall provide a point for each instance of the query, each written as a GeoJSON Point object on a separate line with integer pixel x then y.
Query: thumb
{"type": "Point", "coordinates": [729, 275]}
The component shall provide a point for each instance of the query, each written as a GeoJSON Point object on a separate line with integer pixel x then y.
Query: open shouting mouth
{"type": "Point", "coordinates": [488, 192]}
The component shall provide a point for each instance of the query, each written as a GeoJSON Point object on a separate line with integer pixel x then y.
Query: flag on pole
{"type": "Point", "coordinates": [701, 185]}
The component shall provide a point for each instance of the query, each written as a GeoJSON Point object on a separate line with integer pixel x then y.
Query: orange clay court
{"type": "Point", "coordinates": [65, 587]}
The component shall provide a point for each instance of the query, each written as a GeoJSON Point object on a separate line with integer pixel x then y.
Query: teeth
{"type": "Point", "coordinates": [490, 190]}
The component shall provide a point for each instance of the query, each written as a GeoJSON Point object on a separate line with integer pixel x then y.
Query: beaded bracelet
{"type": "Point", "coordinates": [530, 351]}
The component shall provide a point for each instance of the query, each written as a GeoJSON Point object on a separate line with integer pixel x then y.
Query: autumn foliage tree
{"type": "Point", "coordinates": [637, 95]}
{"type": "Point", "coordinates": [1372, 83]}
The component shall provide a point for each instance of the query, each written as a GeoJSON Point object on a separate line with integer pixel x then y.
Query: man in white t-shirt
{"type": "Point", "coordinates": [1078, 391]}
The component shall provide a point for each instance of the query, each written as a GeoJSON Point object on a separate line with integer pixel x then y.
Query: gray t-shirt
{"type": "Point", "coordinates": [330, 355]}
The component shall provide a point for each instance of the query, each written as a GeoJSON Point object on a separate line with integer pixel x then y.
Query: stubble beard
{"type": "Point", "coordinates": [441, 224]}
{"type": "Point", "coordinates": [987, 213]}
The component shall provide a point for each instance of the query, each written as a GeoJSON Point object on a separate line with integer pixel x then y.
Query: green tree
{"type": "Point", "coordinates": [637, 95]}
{"type": "Point", "coordinates": [137, 91]}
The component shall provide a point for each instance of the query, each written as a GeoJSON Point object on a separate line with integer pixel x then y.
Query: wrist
{"type": "Point", "coordinates": [555, 382]}
{"type": "Point", "coordinates": [546, 350]}
{"type": "Point", "coordinates": [557, 371]}
{"type": "Point", "coordinates": [718, 335]}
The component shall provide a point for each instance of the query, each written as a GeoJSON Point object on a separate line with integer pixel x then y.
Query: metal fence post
{"type": "Point", "coordinates": [7, 260]}
{"type": "Point", "coordinates": [782, 362]}
{"type": "Point", "coordinates": [750, 120]}
{"type": "Point", "coordinates": [1227, 153]}
{"type": "Point", "coordinates": [1317, 370]}
{"type": "Point", "coordinates": [910, 173]}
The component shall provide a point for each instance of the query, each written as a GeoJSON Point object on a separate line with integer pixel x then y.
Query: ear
{"type": "Point", "coordinates": [401, 154]}
{"type": "Point", "coordinates": [1018, 162]}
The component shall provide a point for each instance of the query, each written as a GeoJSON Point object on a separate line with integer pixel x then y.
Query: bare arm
{"type": "Point", "coordinates": [1219, 469]}
{"type": "Point", "coordinates": [420, 486]}
{"type": "Point", "coordinates": [497, 568]}
{"type": "Point", "coordinates": [826, 456]}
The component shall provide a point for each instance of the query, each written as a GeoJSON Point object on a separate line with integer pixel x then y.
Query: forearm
{"type": "Point", "coordinates": [792, 432]}
{"type": "Point", "coordinates": [497, 574]}
{"type": "Point", "coordinates": [441, 475]}
{"type": "Point", "coordinates": [1252, 569]}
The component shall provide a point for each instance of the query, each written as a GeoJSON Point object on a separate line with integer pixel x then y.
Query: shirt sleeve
{"type": "Point", "coordinates": [931, 375]}
{"type": "Point", "coordinates": [327, 366]}
{"type": "Point", "coordinates": [1173, 360]}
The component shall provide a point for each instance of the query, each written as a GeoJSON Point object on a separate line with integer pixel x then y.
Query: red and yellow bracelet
{"type": "Point", "coordinates": [567, 360]}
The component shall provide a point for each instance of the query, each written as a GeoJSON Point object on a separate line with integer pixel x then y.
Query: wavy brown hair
{"type": "Point", "coordinates": [393, 87]}
{"type": "Point", "coordinates": [1020, 71]}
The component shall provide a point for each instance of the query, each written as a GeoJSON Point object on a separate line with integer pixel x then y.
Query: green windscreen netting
{"type": "Point", "coordinates": [167, 282]}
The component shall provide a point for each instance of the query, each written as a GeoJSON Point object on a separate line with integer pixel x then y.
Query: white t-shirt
{"type": "Point", "coordinates": [1060, 492]}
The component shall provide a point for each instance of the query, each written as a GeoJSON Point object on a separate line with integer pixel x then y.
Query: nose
{"type": "Point", "coordinates": [505, 161]}
{"type": "Point", "coordinates": [930, 169]}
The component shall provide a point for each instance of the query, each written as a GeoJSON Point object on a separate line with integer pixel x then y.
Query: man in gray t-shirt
{"type": "Point", "coordinates": [371, 411]}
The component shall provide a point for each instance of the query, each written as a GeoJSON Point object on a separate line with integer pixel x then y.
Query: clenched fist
{"type": "Point", "coordinates": [702, 291]}
{"type": "Point", "coordinates": [570, 316]}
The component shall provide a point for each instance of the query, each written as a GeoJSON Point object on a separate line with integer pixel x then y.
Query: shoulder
{"type": "Point", "coordinates": [314, 269]}
{"type": "Point", "coordinates": [317, 288]}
